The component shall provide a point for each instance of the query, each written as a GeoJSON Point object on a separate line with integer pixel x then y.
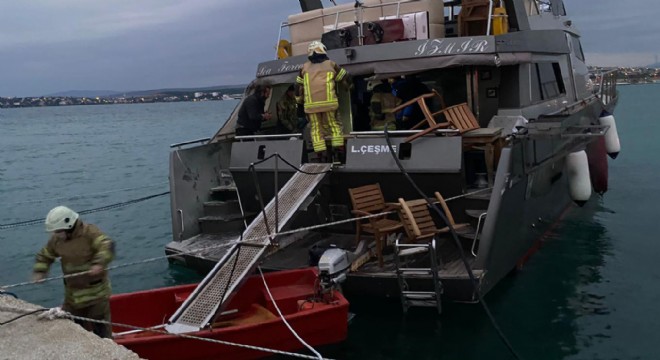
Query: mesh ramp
{"type": "Point", "coordinates": [241, 259]}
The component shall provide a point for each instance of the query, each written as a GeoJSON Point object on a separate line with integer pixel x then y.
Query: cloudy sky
{"type": "Point", "coordinates": [48, 46]}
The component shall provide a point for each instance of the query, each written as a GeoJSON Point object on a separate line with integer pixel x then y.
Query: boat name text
{"type": "Point", "coordinates": [286, 67]}
{"type": "Point", "coordinates": [451, 47]}
{"type": "Point", "coordinates": [371, 149]}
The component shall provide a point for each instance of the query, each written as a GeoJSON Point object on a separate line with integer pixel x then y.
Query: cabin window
{"type": "Point", "coordinates": [547, 83]}
{"type": "Point", "coordinates": [577, 47]}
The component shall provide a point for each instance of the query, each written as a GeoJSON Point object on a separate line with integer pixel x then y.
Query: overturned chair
{"type": "Point", "coordinates": [368, 200]}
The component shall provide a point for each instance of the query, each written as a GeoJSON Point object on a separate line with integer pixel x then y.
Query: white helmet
{"type": "Point", "coordinates": [316, 47]}
{"type": "Point", "coordinates": [61, 218]}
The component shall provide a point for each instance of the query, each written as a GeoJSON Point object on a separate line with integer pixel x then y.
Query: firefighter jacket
{"type": "Point", "coordinates": [380, 110]}
{"type": "Point", "coordinates": [87, 246]}
{"type": "Point", "coordinates": [318, 81]}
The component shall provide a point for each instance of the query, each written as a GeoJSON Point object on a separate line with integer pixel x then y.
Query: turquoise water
{"type": "Point", "coordinates": [589, 293]}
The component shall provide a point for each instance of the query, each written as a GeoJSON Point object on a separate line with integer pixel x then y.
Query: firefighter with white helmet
{"type": "Point", "coordinates": [317, 83]}
{"type": "Point", "coordinates": [84, 250]}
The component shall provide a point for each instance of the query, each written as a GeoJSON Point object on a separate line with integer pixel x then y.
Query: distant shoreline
{"type": "Point", "coordinates": [29, 102]}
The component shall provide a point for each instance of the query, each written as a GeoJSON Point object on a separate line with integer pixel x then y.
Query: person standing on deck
{"type": "Point", "coordinates": [381, 105]}
{"type": "Point", "coordinates": [317, 81]}
{"type": "Point", "coordinates": [82, 248]}
{"type": "Point", "coordinates": [287, 112]}
{"type": "Point", "coordinates": [252, 114]}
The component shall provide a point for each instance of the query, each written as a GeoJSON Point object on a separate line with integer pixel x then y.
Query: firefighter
{"type": "Point", "coordinates": [317, 85]}
{"type": "Point", "coordinates": [83, 248]}
{"type": "Point", "coordinates": [381, 105]}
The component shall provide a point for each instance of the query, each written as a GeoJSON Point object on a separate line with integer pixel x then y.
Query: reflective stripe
{"type": "Point", "coordinates": [104, 253]}
{"type": "Point", "coordinates": [86, 295]}
{"type": "Point", "coordinates": [336, 131]}
{"type": "Point", "coordinates": [317, 138]}
{"type": "Point", "coordinates": [341, 74]}
{"type": "Point", "coordinates": [299, 80]}
{"type": "Point", "coordinates": [307, 91]}
{"type": "Point", "coordinates": [68, 268]}
{"type": "Point", "coordinates": [46, 253]}
{"type": "Point", "coordinates": [328, 89]}
{"type": "Point", "coordinates": [40, 267]}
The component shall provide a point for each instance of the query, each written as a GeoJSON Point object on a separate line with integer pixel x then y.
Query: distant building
{"type": "Point", "coordinates": [198, 94]}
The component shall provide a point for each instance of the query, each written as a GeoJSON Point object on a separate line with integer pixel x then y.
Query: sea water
{"type": "Point", "coordinates": [590, 292]}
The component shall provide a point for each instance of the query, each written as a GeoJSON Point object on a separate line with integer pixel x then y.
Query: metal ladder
{"type": "Point", "coordinates": [228, 274]}
{"type": "Point", "coordinates": [410, 297]}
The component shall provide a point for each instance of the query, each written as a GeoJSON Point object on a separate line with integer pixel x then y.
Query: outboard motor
{"type": "Point", "coordinates": [333, 267]}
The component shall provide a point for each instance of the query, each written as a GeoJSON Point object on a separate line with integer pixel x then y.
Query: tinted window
{"type": "Point", "coordinates": [549, 81]}
{"type": "Point", "coordinates": [577, 48]}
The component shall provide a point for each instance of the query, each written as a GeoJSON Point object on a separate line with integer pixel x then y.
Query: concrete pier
{"type": "Point", "coordinates": [30, 338]}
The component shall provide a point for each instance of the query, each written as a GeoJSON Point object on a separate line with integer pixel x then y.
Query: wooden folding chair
{"type": "Point", "coordinates": [369, 200]}
{"type": "Point", "coordinates": [429, 117]}
{"type": "Point", "coordinates": [419, 224]}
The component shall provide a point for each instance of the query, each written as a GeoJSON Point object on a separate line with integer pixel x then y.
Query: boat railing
{"type": "Point", "coordinates": [179, 145]}
{"type": "Point", "coordinates": [607, 86]}
{"type": "Point", "coordinates": [376, 133]}
{"type": "Point", "coordinates": [269, 137]}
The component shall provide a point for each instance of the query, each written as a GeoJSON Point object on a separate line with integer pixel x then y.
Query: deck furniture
{"type": "Point", "coordinates": [419, 224]}
{"type": "Point", "coordinates": [368, 200]}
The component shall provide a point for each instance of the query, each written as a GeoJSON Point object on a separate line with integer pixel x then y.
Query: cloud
{"type": "Point", "coordinates": [48, 22]}
{"type": "Point", "coordinates": [48, 46]}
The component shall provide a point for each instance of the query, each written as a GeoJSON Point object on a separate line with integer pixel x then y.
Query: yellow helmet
{"type": "Point", "coordinates": [316, 47]}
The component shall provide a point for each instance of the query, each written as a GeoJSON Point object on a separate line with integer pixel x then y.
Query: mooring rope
{"type": "Point", "coordinates": [55, 313]}
{"type": "Point", "coordinates": [83, 196]}
{"type": "Point", "coordinates": [263, 278]}
{"type": "Point", "coordinates": [250, 241]}
{"type": "Point", "coordinates": [84, 212]}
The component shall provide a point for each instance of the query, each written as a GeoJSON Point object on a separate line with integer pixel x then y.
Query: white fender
{"type": "Point", "coordinates": [579, 183]}
{"type": "Point", "coordinates": [612, 144]}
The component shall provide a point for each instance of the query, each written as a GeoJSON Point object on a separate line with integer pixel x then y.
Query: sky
{"type": "Point", "coordinates": [50, 46]}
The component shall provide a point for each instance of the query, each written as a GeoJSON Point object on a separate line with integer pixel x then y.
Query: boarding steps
{"type": "Point", "coordinates": [222, 221]}
{"type": "Point", "coordinates": [410, 297]}
{"type": "Point", "coordinates": [241, 259]}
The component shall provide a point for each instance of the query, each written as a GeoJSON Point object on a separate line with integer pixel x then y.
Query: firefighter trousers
{"type": "Point", "coordinates": [325, 124]}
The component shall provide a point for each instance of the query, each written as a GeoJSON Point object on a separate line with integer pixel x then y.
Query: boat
{"type": "Point", "coordinates": [510, 79]}
{"type": "Point", "coordinates": [251, 319]}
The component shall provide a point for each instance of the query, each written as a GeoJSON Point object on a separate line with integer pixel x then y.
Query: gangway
{"type": "Point", "coordinates": [227, 275]}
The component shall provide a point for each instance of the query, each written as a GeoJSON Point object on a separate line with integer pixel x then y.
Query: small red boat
{"type": "Point", "coordinates": [250, 318]}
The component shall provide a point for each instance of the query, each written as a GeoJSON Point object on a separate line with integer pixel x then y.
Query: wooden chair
{"type": "Point", "coordinates": [461, 118]}
{"type": "Point", "coordinates": [429, 117]}
{"type": "Point", "coordinates": [368, 200]}
{"type": "Point", "coordinates": [419, 224]}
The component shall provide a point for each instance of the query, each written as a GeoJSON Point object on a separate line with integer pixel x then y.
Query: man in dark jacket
{"type": "Point", "coordinates": [252, 114]}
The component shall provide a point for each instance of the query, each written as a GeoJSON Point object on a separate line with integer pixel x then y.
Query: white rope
{"type": "Point", "coordinates": [468, 194]}
{"type": "Point", "coordinates": [250, 241]}
{"type": "Point", "coordinates": [55, 313]}
{"type": "Point", "coordinates": [75, 197]}
{"type": "Point", "coordinates": [284, 320]}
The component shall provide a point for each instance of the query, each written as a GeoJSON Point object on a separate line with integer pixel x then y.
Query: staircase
{"type": "Point", "coordinates": [411, 297]}
{"type": "Point", "coordinates": [222, 222]}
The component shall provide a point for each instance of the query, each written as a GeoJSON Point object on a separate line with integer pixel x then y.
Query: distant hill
{"type": "Point", "coordinates": [655, 66]}
{"type": "Point", "coordinates": [84, 93]}
{"type": "Point", "coordinates": [225, 89]}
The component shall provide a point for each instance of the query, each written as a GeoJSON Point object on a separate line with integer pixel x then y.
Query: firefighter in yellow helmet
{"type": "Point", "coordinates": [83, 248]}
{"type": "Point", "coordinates": [317, 80]}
